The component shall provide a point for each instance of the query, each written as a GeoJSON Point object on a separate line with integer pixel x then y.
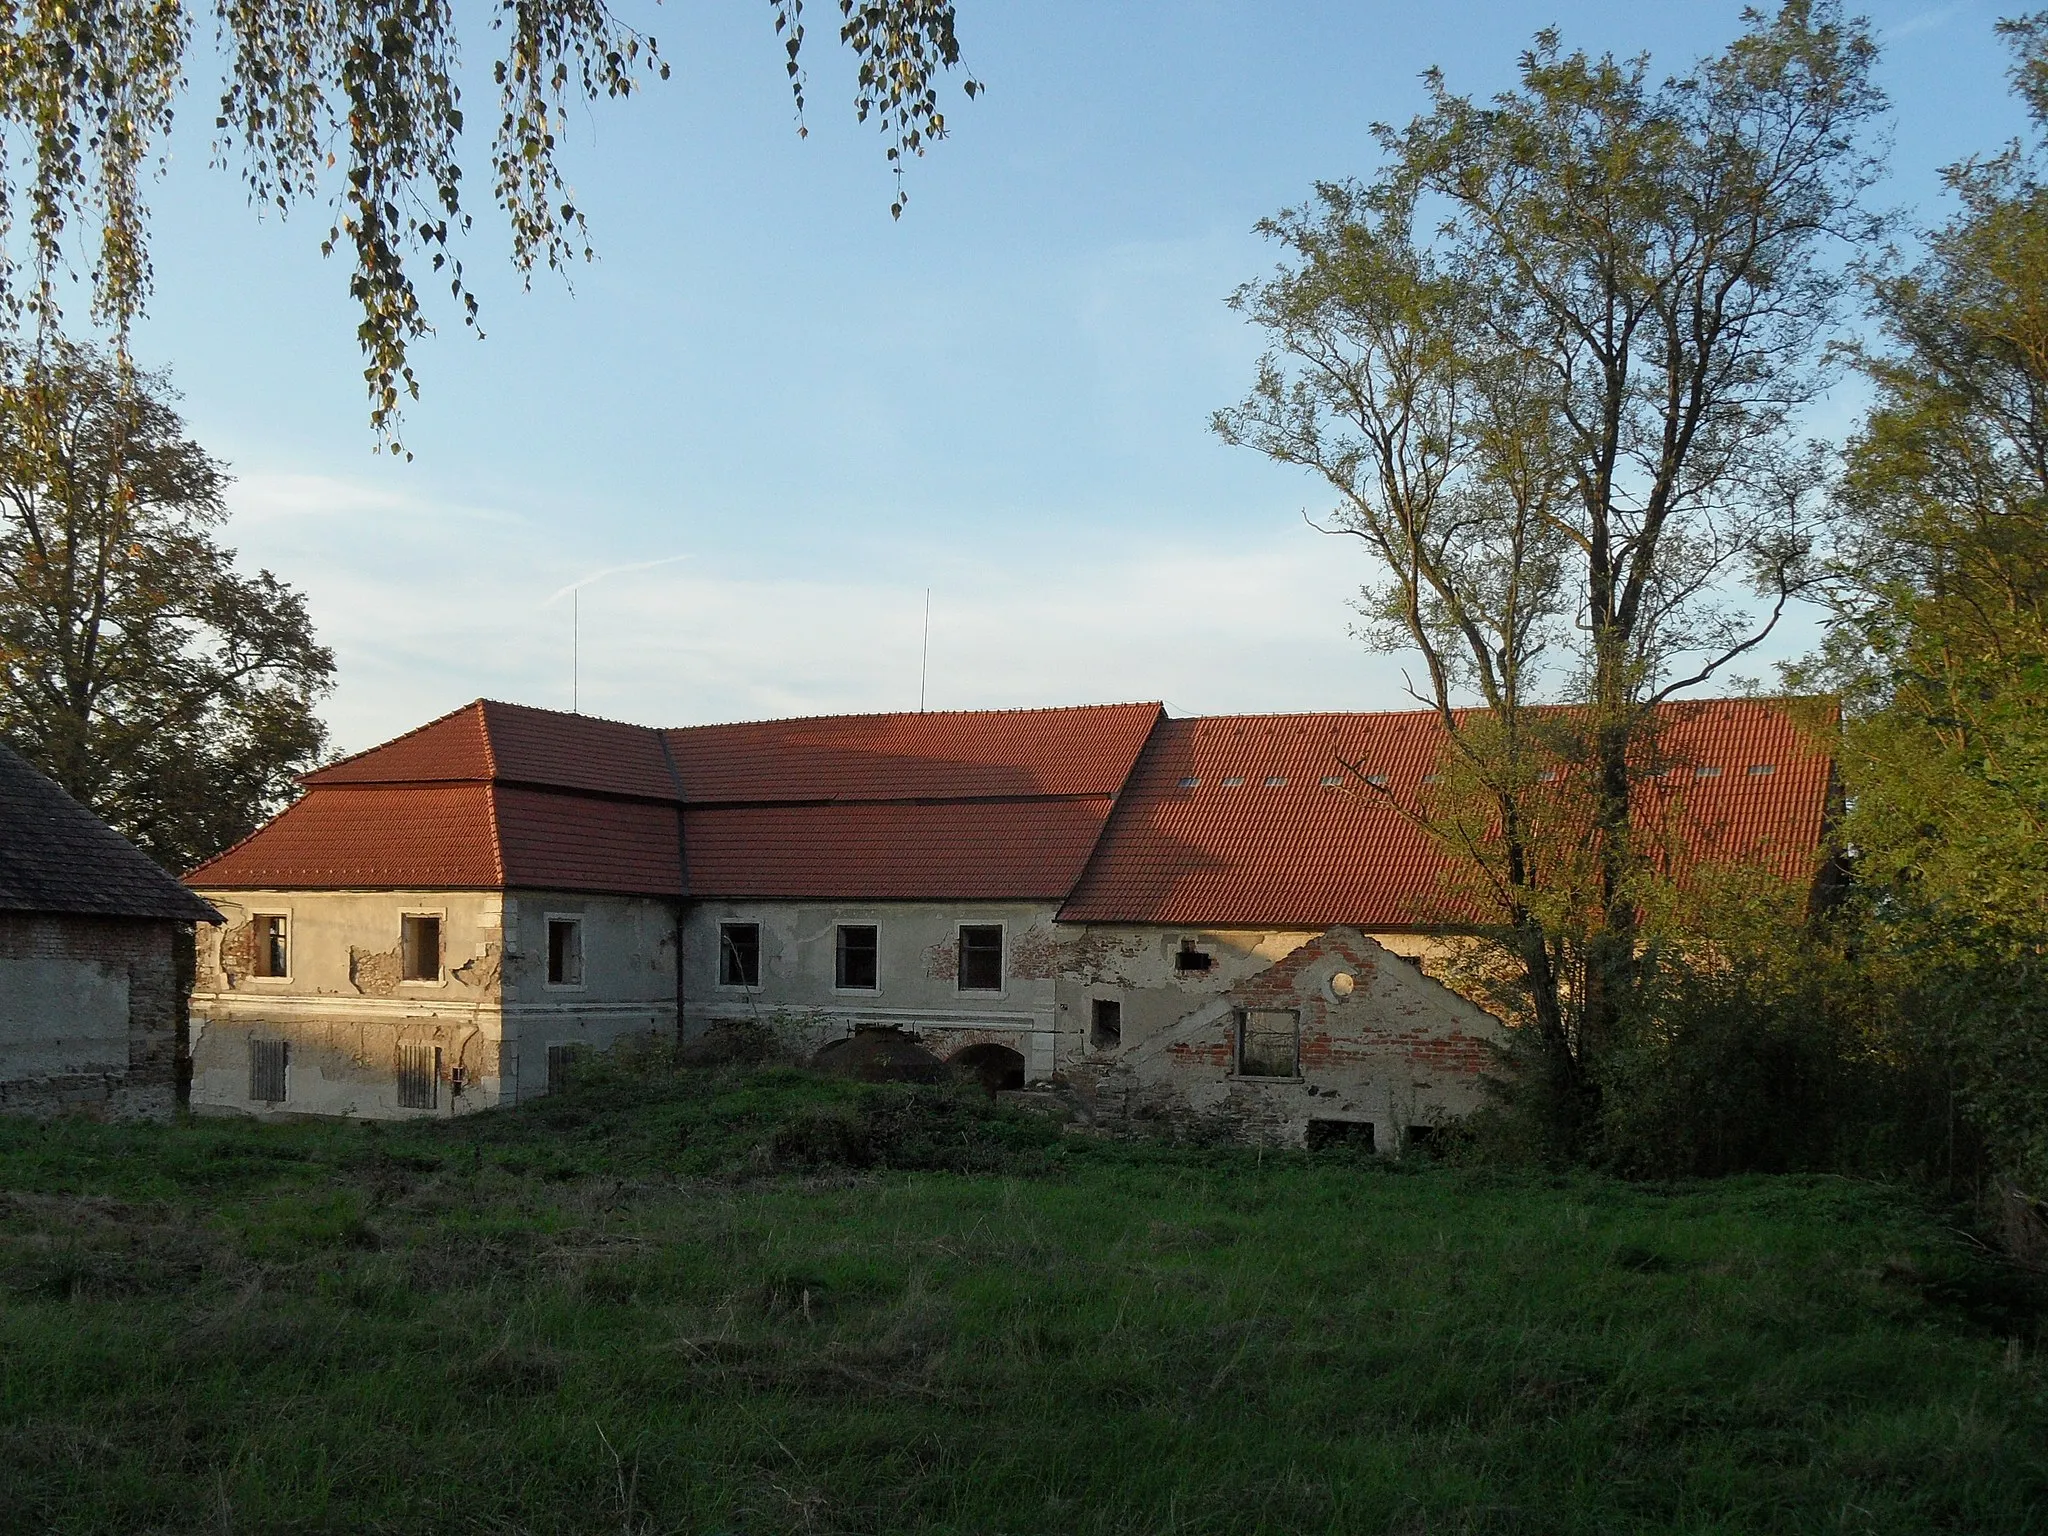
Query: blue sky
{"type": "Point", "coordinates": [809, 414]}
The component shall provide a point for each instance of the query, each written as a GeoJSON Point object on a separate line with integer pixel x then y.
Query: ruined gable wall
{"type": "Point", "coordinates": [1394, 1050]}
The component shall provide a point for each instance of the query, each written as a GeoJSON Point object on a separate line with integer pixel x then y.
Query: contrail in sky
{"type": "Point", "coordinates": [610, 570]}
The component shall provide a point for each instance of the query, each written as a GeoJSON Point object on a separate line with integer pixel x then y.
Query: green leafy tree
{"type": "Point", "coordinates": [1941, 644]}
{"type": "Point", "coordinates": [355, 103]}
{"type": "Point", "coordinates": [1550, 362]}
{"type": "Point", "coordinates": [138, 667]}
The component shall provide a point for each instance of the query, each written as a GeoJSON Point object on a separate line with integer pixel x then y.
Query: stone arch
{"type": "Point", "coordinates": [995, 1067]}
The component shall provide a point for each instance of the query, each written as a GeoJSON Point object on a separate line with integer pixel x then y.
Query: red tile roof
{"type": "Point", "coordinates": [1089, 805]}
{"type": "Point", "coordinates": [964, 850]}
{"type": "Point", "coordinates": [1228, 821]}
{"type": "Point", "coordinates": [947, 755]}
{"type": "Point", "coordinates": [513, 744]}
{"type": "Point", "coordinates": [985, 804]}
{"type": "Point", "coordinates": [427, 837]}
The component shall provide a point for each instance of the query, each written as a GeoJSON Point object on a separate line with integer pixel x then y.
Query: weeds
{"type": "Point", "coordinates": [745, 1299]}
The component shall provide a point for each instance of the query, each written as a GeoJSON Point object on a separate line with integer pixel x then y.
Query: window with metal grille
{"type": "Point", "coordinates": [267, 1062]}
{"type": "Point", "coordinates": [981, 957]}
{"type": "Point", "coordinates": [562, 1061]}
{"type": "Point", "coordinates": [1106, 1026]}
{"type": "Point", "coordinates": [855, 968]}
{"type": "Point", "coordinates": [1268, 1042]}
{"type": "Point", "coordinates": [419, 1076]}
{"type": "Point", "coordinates": [739, 954]}
{"type": "Point", "coordinates": [565, 952]}
{"type": "Point", "coordinates": [419, 947]}
{"type": "Point", "coordinates": [273, 946]}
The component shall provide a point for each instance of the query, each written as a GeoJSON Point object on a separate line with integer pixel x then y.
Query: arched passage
{"type": "Point", "coordinates": [995, 1067]}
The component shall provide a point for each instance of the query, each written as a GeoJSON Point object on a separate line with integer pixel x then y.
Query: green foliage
{"type": "Point", "coordinates": [357, 104]}
{"type": "Point", "coordinates": [1940, 646]}
{"type": "Point", "coordinates": [138, 668]}
{"type": "Point", "coordinates": [511, 1323]}
{"type": "Point", "coordinates": [1550, 362]}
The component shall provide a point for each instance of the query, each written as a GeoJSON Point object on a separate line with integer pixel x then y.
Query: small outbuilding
{"type": "Point", "coordinates": [95, 957]}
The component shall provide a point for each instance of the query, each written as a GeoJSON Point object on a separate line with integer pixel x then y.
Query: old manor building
{"type": "Point", "coordinates": [1210, 915]}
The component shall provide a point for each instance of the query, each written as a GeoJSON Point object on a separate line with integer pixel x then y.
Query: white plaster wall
{"type": "Point", "coordinates": [343, 1008]}
{"type": "Point", "coordinates": [918, 988]}
{"type": "Point", "coordinates": [628, 986]}
{"type": "Point", "coordinates": [492, 1012]}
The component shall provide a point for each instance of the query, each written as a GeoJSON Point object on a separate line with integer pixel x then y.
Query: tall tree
{"type": "Point", "coordinates": [356, 102]}
{"type": "Point", "coordinates": [1941, 637]}
{"type": "Point", "coordinates": [138, 667]}
{"type": "Point", "coordinates": [1551, 362]}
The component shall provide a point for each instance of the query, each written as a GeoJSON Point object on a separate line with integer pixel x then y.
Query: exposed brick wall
{"type": "Point", "coordinates": [147, 951]}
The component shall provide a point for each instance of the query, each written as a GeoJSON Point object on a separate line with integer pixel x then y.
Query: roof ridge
{"type": "Point", "coordinates": [483, 724]}
{"type": "Point", "coordinates": [565, 714]}
{"type": "Point", "coordinates": [918, 714]}
{"type": "Point", "coordinates": [497, 835]}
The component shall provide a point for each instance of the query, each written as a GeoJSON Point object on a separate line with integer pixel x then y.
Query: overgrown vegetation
{"type": "Point", "coordinates": [676, 1301]}
{"type": "Point", "coordinates": [1552, 360]}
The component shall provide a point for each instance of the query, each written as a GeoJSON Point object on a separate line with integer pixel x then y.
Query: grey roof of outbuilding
{"type": "Point", "coordinates": [56, 856]}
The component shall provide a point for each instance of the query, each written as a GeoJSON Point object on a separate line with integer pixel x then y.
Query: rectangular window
{"type": "Point", "coordinates": [565, 952]}
{"type": "Point", "coordinates": [1268, 1042]}
{"type": "Point", "coordinates": [267, 1062]}
{"type": "Point", "coordinates": [419, 1076]}
{"type": "Point", "coordinates": [1189, 958]}
{"type": "Point", "coordinates": [981, 957]}
{"type": "Point", "coordinates": [562, 1061]}
{"type": "Point", "coordinates": [855, 968]}
{"type": "Point", "coordinates": [273, 945]}
{"type": "Point", "coordinates": [419, 947]}
{"type": "Point", "coordinates": [739, 954]}
{"type": "Point", "coordinates": [1106, 1026]}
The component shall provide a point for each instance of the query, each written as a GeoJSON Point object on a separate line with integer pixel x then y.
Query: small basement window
{"type": "Point", "coordinates": [273, 944]}
{"type": "Point", "coordinates": [565, 952]}
{"type": "Point", "coordinates": [419, 1076]}
{"type": "Point", "coordinates": [981, 957]}
{"type": "Point", "coordinates": [1105, 1024]}
{"type": "Point", "coordinates": [268, 1060]}
{"type": "Point", "coordinates": [419, 947]}
{"type": "Point", "coordinates": [1189, 958]}
{"type": "Point", "coordinates": [1424, 1139]}
{"type": "Point", "coordinates": [855, 965]}
{"type": "Point", "coordinates": [739, 954]}
{"type": "Point", "coordinates": [1268, 1042]}
{"type": "Point", "coordinates": [562, 1061]}
{"type": "Point", "coordinates": [1352, 1135]}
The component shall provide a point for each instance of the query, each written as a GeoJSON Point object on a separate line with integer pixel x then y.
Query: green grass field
{"type": "Point", "coordinates": [760, 1302]}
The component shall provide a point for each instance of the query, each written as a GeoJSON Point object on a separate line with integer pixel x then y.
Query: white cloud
{"type": "Point", "coordinates": [428, 606]}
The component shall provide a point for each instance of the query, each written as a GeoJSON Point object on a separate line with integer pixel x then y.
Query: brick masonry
{"type": "Point", "coordinates": [147, 952]}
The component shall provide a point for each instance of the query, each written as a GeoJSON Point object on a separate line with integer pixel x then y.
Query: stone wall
{"type": "Point", "coordinates": [90, 1014]}
{"type": "Point", "coordinates": [1379, 1044]}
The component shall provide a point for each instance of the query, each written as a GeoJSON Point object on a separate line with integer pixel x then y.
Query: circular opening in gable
{"type": "Point", "coordinates": [1342, 985]}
